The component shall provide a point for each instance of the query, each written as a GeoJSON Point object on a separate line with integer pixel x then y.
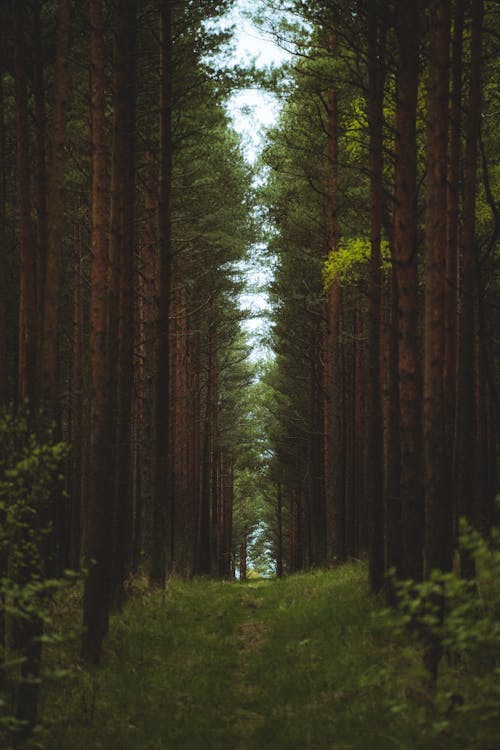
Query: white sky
{"type": "Point", "coordinates": [252, 111]}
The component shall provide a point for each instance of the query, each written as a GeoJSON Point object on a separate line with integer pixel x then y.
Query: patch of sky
{"type": "Point", "coordinates": [253, 110]}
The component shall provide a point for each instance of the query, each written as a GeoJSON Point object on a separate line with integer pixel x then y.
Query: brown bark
{"type": "Point", "coordinates": [162, 472]}
{"type": "Point", "coordinates": [100, 508]}
{"type": "Point", "coordinates": [77, 512]}
{"type": "Point", "coordinates": [147, 331]}
{"type": "Point", "coordinates": [204, 516]}
{"type": "Point", "coordinates": [4, 369]}
{"type": "Point", "coordinates": [226, 506]}
{"type": "Point", "coordinates": [183, 529]}
{"type": "Point", "coordinates": [214, 467]}
{"type": "Point", "coordinates": [374, 433]}
{"type": "Point", "coordinates": [122, 222]}
{"type": "Point", "coordinates": [467, 503]}
{"type": "Point", "coordinates": [453, 226]}
{"type": "Point", "coordinates": [279, 531]}
{"type": "Point", "coordinates": [392, 456]}
{"type": "Point", "coordinates": [405, 261]}
{"type": "Point", "coordinates": [194, 400]}
{"type": "Point", "coordinates": [52, 270]}
{"type": "Point", "coordinates": [438, 549]}
{"type": "Point", "coordinates": [243, 558]}
{"type": "Point", "coordinates": [355, 383]}
{"type": "Point", "coordinates": [27, 353]}
{"type": "Point", "coordinates": [334, 443]}
{"type": "Point", "coordinates": [42, 194]}
{"type": "Point", "coordinates": [316, 516]}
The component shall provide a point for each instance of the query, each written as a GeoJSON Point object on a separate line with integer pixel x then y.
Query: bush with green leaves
{"type": "Point", "coordinates": [462, 616]}
{"type": "Point", "coordinates": [30, 465]}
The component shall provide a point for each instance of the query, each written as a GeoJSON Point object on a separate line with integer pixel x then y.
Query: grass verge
{"type": "Point", "coordinates": [304, 663]}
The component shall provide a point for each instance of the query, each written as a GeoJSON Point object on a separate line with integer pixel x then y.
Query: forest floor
{"type": "Point", "coordinates": [306, 662]}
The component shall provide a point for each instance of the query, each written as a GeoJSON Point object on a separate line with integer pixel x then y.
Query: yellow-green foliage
{"type": "Point", "coordinates": [356, 127]}
{"type": "Point", "coordinates": [348, 262]}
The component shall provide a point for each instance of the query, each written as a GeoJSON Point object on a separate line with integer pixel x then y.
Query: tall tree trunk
{"type": "Point", "coordinates": [100, 507]}
{"type": "Point", "coordinates": [392, 455]}
{"type": "Point", "coordinates": [438, 550]}
{"type": "Point", "coordinates": [405, 262]}
{"type": "Point", "coordinates": [357, 470]}
{"type": "Point", "coordinates": [41, 181]}
{"type": "Point", "coordinates": [453, 227]}
{"type": "Point", "coordinates": [30, 629]}
{"type": "Point", "coordinates": [123, 239]}
{"type": "Point", "coordinates": [204, 532]}
{"type": "Point", "coordinates": [145, 374]}
{"type": "Point", "coordinates": [4, 349]}
{"type": "Point", "coordinates": [162, 471]}
{"type": "Point", "coordinates": [52, 271]}
{"type": "Point", "coordinates": [467, 503]}
{"type": "Point", "coordinates": [374, 434]}
{"type": "Point", "coordinates": [27, 352]}
{"type": "Point", "coordinates": [77, 435]}
{"type": "Point", "coordinates": [334, 444]}
{"type": "Point", "coordinates": [316, 506]}
{"type": "Point", "coordinates": [279, 531]}
{"type": "Point", "coordinates": [243, 557]}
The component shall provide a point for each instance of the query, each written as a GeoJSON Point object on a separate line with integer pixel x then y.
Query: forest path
{"type": "Point", "coordinates": [271, 665]}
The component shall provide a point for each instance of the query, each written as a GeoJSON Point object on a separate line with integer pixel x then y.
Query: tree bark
{"type": "Point", "coordinates": [405, 261]}
{"type": "Point", "coordinates": [4, 349]}
{"type": "Point", "coordinates": [467, 503]}
{"type": "Point", "coordinates": [334, 443]}
{"type": "Point", "coordinates": [42, 194]}
{"type": "Point", "coordinates": [52, 273]}
{"type": "Point", "coordinates": [123, 240]}
{"type": "Point", "coordinates": [27, 352]}
{"type": "Point", "coordinates": [374, 433]}
{"type": "Point", "coordinates": [279, 531]}
{"type": "Point", "coordinates": [162, 485]}
{"type": "Point", "coordinates": [100, 507]}
{"type": "Point", "coordinates": [438, 549]}
{"type": "Point", "coordinates": [453, 226]}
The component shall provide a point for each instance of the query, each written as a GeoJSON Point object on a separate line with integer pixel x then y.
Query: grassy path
{"type": "Point", "coordinates": [283, 665]}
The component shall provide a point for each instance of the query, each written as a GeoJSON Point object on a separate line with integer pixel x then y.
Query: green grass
{"type": "Point", "coordinates": [299, 663]}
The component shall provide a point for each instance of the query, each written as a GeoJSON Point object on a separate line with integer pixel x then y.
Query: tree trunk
{"type": "Point", "coordinates": [27, 353]}
{"type": "Point", "coordinates": [453, 226]}
{"type": "Point", "coordinates": [123, 239]}
{"type": "Point", "coordinates": [279, 531]}
{"type": "Point", "coordinates": [334, 446]}
{"type": "Point", "coordinates": [392, 451]}
{"type": "Point", "coordinates": [162, 486]}
{"type": "Point", "coordinates": [100, 507]}
{"type": "Point", "coordinates": [145, 373]}
{"type": "Point", "coordinates": [467, 503]}
{"type": "Point", "coordinates": [405, 261]}
{"type": "Point", "coordinates": [4, 349]}
{"type": "Point", "coordinates": [374, 433]}
{"type": "Point", "coordinates": [77, 512]}
{"type": "Point", "coordinates": [52, 271]}
{"type": "Point", "coordinates": [42, 193]}
{"type": "Point", "coordinates": [438, 551]}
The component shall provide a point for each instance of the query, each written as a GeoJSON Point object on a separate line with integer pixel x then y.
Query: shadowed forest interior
{"type": "Point", "coordinates": [155, 444]}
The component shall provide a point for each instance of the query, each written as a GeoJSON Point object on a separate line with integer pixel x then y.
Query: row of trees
{"type": "Point", "coordinates": [124, 217]}
{"type": "Point", "coordinates": [384, 223]}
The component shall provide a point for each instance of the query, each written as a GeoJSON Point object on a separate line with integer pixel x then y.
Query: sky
{"type": "Point", "coordinates": [253, 110]}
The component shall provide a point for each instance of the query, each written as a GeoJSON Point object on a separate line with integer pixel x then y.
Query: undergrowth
{"type": "Point", "coordinates": [307, 662]}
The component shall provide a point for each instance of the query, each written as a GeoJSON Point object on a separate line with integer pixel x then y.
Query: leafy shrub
{"type": "Point", "coordinates": [29, 473]}
{"type": "Point", "coordinates": [463, 617]}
